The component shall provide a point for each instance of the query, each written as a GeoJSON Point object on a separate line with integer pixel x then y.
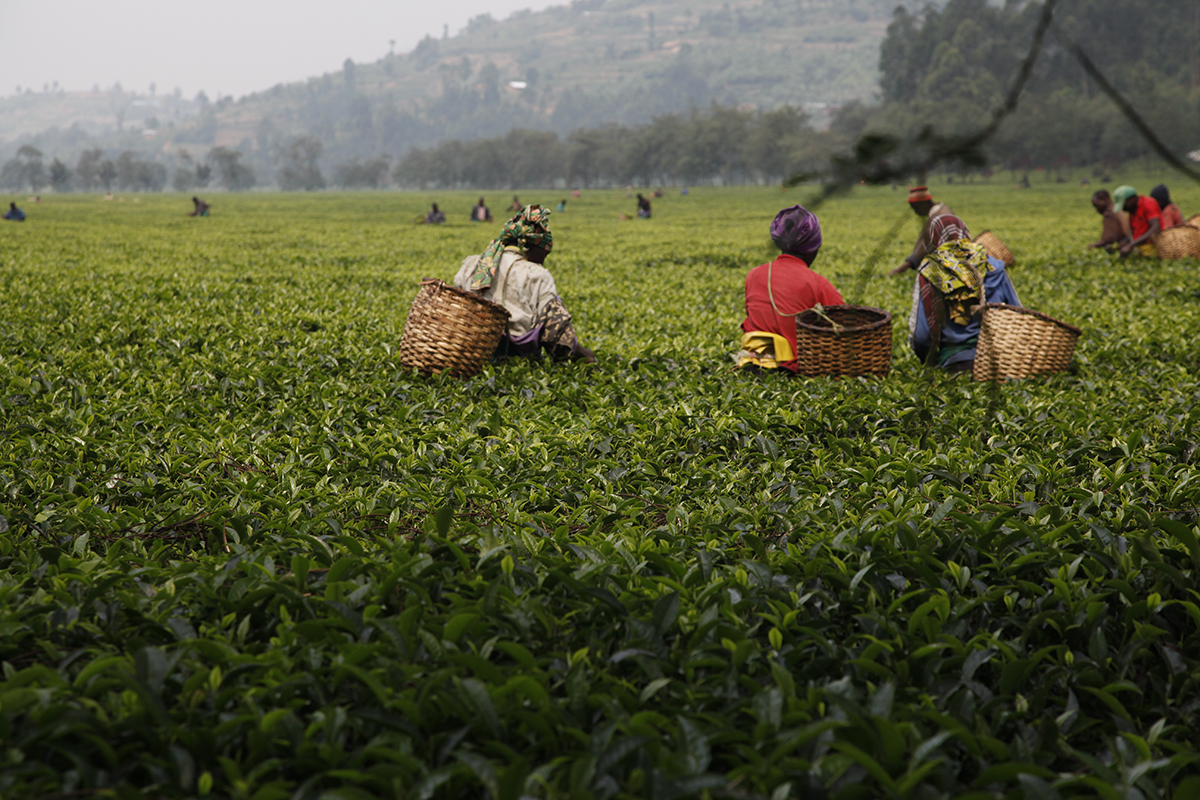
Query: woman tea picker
{"type": "Point", "coordinates": [510, 273]}
{"type": "Point", "coordinates": [942, 328]}
{"type": "Point", "coordinates": [777, 292]}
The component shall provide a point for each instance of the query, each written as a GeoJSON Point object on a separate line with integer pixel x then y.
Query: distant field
{"type": "Point", "coordinates": [243, 554]}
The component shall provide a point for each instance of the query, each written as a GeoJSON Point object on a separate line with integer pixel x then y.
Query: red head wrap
{"type": "Point", "coordinates": [918, 194]}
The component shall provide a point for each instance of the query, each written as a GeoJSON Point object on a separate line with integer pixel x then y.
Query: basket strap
{"type": "Point", "coordinates": [771, 297]}
{"type": "Point", "coordinates": [982, 290]}
{"type": "Point", "coordinates": [504, 285]}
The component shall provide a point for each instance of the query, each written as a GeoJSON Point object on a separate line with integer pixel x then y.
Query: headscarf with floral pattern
{"type": "Point", "coordinates": [528, 229]}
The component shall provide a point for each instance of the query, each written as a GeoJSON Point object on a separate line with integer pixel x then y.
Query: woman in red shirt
{"type": "Point", "coordinates": [1172, 217]}
{"type": "Point", "coordinates": [777, 292]}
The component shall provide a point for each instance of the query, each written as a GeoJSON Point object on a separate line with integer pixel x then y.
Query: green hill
{"type": "Point", "coordinates": [571, 66]}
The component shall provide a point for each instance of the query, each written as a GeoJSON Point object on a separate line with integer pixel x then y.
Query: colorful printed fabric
{"type": "Point", "coordinates": [942, 227]}
{"type": "Point", "coordinates": [796, 231]}
{"type": "Point", "coordinates": [528, 229]}
{"type": "Point", "coordinates": [937, 341]}
{"type": "Point", "coordinates": [928, 306]}
{"type": "Point", "coordinates": [945, 227]}
{"type": "Point", "coordinates": [558, 333]}
{"type": "Point", "coordinates": [955, 269]}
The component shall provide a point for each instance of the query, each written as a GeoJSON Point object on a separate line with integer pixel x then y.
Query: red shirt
{"type": "Point", "coordinates": [1147, 210]}
{"type": "Point", "coordinates": [795, 288]}
{"type": "Point", "coordinates": [1172, 217]}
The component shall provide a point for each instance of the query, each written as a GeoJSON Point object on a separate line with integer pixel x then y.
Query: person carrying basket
{"type": "Point", "coordinates": [509, 272]}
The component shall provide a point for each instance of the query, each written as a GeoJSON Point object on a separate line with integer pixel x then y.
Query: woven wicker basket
{"type": "Point", "coordinates": [995, 248]}
{"type": "Point", "coordinates": [1017, 342]}
{"type": "Point", "coordinates": [844, 340]}
{"type": "Point", "coordinates": [1194, 221]}
{"type": "Point", "coordinates": [1182, 241]}
{"type": "Point", "coordinates": [449, 330]}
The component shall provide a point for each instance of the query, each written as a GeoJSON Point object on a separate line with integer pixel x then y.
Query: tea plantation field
{"type": "Point", "coordinates": [243, 554]}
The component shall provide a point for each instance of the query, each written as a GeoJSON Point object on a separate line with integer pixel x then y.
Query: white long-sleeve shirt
{"type": "Point", "coordinates": [521, 286]}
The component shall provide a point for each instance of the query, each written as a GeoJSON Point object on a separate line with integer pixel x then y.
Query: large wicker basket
{"type": "Point", "coordinates": [449, 330]}
{"type": "Point", "coordinates": [1017, 342]}
{"type": "Point", "coordinates": [1182, 241]}
{"type": "Point", "coordinates": [844, 340]}
{"type": "Point", "coordinates": [995, 248]}
{"type": "Point", "coordinates": [1194, 221]}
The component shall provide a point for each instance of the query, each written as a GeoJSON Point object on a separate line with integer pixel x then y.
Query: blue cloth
{"type": "Point", "coordinates": [15, 214]}
{"type": "Point", "coordinates": [998, 289]}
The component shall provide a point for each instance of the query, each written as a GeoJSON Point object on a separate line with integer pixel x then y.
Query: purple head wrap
{"type": "Point", "coordinates": [796, 231]}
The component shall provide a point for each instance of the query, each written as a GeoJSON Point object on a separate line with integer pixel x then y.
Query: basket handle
{"type": "Point", "coordinates": [819, 310]}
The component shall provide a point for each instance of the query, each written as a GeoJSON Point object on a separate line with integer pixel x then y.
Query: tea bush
{"type": "Point", "coordinates": [247, 555]}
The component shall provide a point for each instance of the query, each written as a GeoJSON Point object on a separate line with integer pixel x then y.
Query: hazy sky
{"type": "Point", "coordinates": [233, 47]}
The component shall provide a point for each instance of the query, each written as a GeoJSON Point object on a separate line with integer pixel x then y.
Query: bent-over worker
{"type": "Point", "coordinates": [1145, 219]}
{"type": "Point", "coordinates": [1115, 229]}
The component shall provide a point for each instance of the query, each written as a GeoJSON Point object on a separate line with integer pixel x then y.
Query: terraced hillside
{"type": "Point", "coordinates": [587, 63]}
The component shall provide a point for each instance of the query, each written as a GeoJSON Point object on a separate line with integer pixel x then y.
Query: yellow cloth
{"type": "Point", "coordinates": [764, 350]}
{"type": "Point", "coordinates": [1148, 249]}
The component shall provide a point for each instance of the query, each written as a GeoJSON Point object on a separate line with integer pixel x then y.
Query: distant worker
{"type": "Point", "coordinates": [1145, 219]}
{"type": "Point", "coordinates": [562, 206]}
{"type": "Point", "coordinates": [1115, 229]}
{"type": "Point", "coordinates": [515, 205]}
{"type": "Point", "coordinates": [575, 193]}
{"type": "Point", "coordinates": [480, 212]}
{"type": "Point", "coordinates": [778, 291]}
{"type": "Point", "coordinates": [200, 208]}
{"type": "Point", "coordinates": [435, 216]}
{"type": "Point", "coordinates": [643, 207]}
{"type": "Point", "coordinates": [1172, 217]}
{"type": "Point", "coordinates": [14, 214]}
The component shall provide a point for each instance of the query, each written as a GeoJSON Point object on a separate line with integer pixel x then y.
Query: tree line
{"type": "Point", "coordinates": [720, 145]}
{"type": "Point", "coordinates": [127, 171]}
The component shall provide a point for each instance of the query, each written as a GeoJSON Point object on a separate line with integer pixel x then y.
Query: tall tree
{"type": "Point", "coordinates": [25, 169]}
{"type": "Point", "coordinates": [298, 165]}
{"type": "Point", "coordinates": [231, 172]}
{"type": "Point", "coordinates": [60, 176]}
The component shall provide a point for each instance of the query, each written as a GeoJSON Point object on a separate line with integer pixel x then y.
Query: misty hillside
{"type": "Point", "coordinates": [571, 66]}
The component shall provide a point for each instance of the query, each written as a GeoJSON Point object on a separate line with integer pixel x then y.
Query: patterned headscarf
{"type": "Point", "coordinates": [796, 231]}
{"type": "Point", "coordinates": [528, 229]}
{"type": "Point", "coordinates": [955, 270]}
